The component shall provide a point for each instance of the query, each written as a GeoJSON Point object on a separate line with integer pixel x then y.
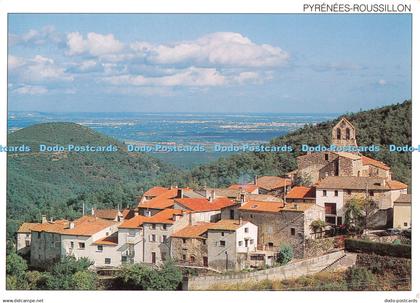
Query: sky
{"type": "Point", "coordinates": [250, 63]}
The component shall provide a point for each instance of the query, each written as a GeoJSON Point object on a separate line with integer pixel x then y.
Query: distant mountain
{"type": "Point", "coordinates": [381, 126]}
{"type": "Point", "coordinates": [57, 184]}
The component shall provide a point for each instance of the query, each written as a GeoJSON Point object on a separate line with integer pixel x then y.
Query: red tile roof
{"type": "Point", "coordinates": [202, 204]}
{"type": "Point", "coordinates": [192, 231]}
{"type": "Point", "coordinates": [27, 227]}
{"type": "Point", "coordinates": [272, 182]}
{"type": "Point", "coordinates": [249, 188]}
{"type": "Point", "coordinates": [262, 206]}
{"type": "Point", "coordinates": [301, 192]}
{"type": "Point", "coordinates": [394, 184]}
{"type": "Point", "coordinates": [109, 240]}
{"type": "Point", "coordinates": [163, 200]}
{"type": "Point", "coordinates": [156, 191]}
{"type": "Point", "coordinates": [107, 213]}
{"type": "Point", "coordinates": [84, 226]}
{"type": "Point", "coordinates": [373, 162]}
{"type": "Point", "coordinates": [163, 217]}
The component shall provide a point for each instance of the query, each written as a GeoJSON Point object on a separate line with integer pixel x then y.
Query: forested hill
{"type": "Point", "coordinates": [56, 184]}
{"type": "Point", "coordinates": [382, 126]}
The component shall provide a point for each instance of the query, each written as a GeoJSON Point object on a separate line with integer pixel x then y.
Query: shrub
{"type": "Point", "coordinates": [383, 249]}
{"type": "Point", "coordinates": [360, 278]}
{"type": "Point", "coordinates": [285, 254]}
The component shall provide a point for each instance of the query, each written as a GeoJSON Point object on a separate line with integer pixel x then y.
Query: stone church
{"type": "Point", "coordinates": [318, 165]}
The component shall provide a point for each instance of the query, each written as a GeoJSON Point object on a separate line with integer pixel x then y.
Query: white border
{"type": "Point", "coordinates": [193, 6]}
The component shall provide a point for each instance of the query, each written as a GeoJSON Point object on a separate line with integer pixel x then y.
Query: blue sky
{"type": "Point", "coordinates": [208, 62]}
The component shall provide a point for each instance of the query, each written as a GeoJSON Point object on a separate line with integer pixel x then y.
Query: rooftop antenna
{"type": "Point", "coordinates": [83, 208]}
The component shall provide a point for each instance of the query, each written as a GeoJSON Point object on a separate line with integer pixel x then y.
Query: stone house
{"type": "Point", "coordinates": [189, 245]}
{"type": "Point", "coordinates": [51, 241]}
{"type": "Point", "coordinates": [334, 192]}
{"type": "Point", "coordinates": [319, 165]}
{"type": "Point", "coordinates": [402, 212]}
{"type": "Point", "coordinates": [23, 238]}
{"type": "Point", "coordinates": [282, 223]}
{"type": "Point", "coordinates": [223, 245]}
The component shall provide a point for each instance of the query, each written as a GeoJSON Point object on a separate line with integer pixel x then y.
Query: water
{"type": "Point", "coordinates": [178, 128]}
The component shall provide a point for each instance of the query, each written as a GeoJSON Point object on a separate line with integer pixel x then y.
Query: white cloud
{"type": "Point", "coordinates": [192, 76]}
{"type": "Point", "coordinates": [94, 44]}
{"type": "Point", "coordinates": [382, 82]}
{"type": "Point", "coordinates": [30, 90]}
{"type": "Point", "coordinates": [14, 62]}
{"type": "Point", "coordinates": [38, 69]}
{"type": "Point", "coordinates": [37, 37]}
{"type": "Point", "coordinates": [216, 49]}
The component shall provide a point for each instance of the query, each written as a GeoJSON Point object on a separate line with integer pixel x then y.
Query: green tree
{"type": "Point", "coordinates": [16, 272]}
{"type": "Point", "coordinates": [142, 277]}
{"type": "Point", "coordinates": [318, 226]}
{"type": "Point", "coordinates": [353, 216]}
{"type": "Point", "coordinates": [285, 254]}
{"type": "Point", "coordinates": [84, 280]}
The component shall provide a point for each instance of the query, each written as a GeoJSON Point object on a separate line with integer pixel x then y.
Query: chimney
{"type": "Point", "coordinates": [240, 221]}
{"type": "Point", "coordinates": [213, 194]}
{"type": "Point", "coordinates": [51, 220]}
{"type": "Point", "coordinates": [136, 212]}
{"type": "Point", "coordinates": [255, 180]}
{"type": "Point", "coordinates": [44, 219]}
{"type": "Point", "coordinates": [71, 225]}
{"type": "Point", "coordinates": [242, 198]}
{"type": "Point", "coordinates": [180, 193]}
{"type": "Point", "coordinates": [92, 211]}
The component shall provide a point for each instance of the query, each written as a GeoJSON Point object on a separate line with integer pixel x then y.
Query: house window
{"type": "Point", "coordinates": [184, 241]}
{"type": "Point", "coordinates": [326, 157]}
{"type": "Point", "coordinates": [371, 193]}
{"type": "Point", "coordinates": [405, 224]}
{"type": "Point", "coordinates": [349, 192]}
{"type": "Point", "coordinates": [100, 248]}
{"type": "Point", "coordinates": [164, 237]}
{"type": "Point", "coordinates": [324, 193]}
{"type": "Point", "coordinates": [347, 133]}
{"type": "Point", "coordinates": [252, 216]}
{"type": "Point", "coordinates": [164, 227]}
{"type": "Point", "coordinates": [192, 259]}
{"type": "Point", "coordinates": [270, 245]}
{"type": "Point", "coordinates": [39, 235]}
{"type": "Point", "coordinates": [330, 220]}
{"type": "Point", "coordinates": [153, 239]}
{"type": "Point", "coordinates": [232, 214]}
{"type": "Point", "coordinates": [27, 243]}
{"type": "Point", "coordinates": [222, 243]}
{"type": "Point", "coordinates": [336, 193]}
{"type": "Point", "coordinates": [184, 257]}
{"type": "Point", "coordinates": [72, 244]}
{"type": "Point", "coordinates": [108, 261]}
{"type": "Point", "coordinates": [123, 259]}
{"type": "Point", "coordinates": [223, 234]}
{"type": "Point", "coordinates": [330, 208]}
{"type": "Point", "coordinates": [339, 220]}
{"type": "Point", "coordinates": [246, 229]}
{"type": "Point", "coordinates": [292, 231]}
{"type": "Point", "coordinates": [153, 226]}
{"type": "Point", "coordinates": [338, 133]}
{"type": "Point", "coordinates": [163, 256]}
{"type": "Point", "coordinates": [240, 243]}
{"type": "Point", "coordinates": [81, 245]}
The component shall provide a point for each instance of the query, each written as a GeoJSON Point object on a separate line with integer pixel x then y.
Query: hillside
{"type": "Point", "coordinates": [382, 126]}
{"type": "Point", "coordinates": [57, 184]}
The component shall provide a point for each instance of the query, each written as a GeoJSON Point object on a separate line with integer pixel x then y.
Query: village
{"type": "Point", "coordinates": [231, 229]}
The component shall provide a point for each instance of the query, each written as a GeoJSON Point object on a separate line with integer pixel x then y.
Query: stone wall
{"type": "Point", "coordinates": [222, 257]}
{"type": "Point", "coordinates": [289, 271]}
{"type": "Point", "coordinates": [45, 249]}
{"type": "Point", "coordinates": [194, 250]}
{"type": "Point", "coordinates": [275, 229]}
